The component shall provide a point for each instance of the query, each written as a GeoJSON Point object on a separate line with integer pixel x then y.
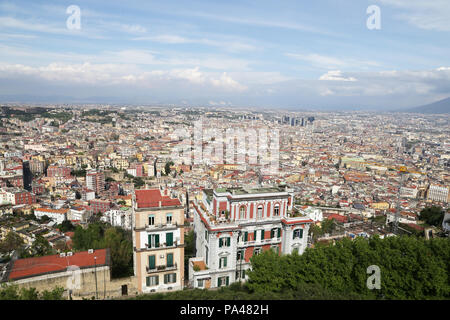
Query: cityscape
{"type": "Point", "coordinates": [187, 198]}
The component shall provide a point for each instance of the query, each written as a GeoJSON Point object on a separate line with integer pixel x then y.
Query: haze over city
{"type": "Point", "coordinates": [294, 54]}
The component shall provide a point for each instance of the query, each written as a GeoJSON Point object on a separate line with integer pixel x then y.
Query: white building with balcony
{"type": "Point", "coordinates": [232, 225]}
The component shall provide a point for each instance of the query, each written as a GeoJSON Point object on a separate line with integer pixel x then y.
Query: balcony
{"type": "Point", "coordinates": [162, 268]}
{"type": "Point", "coordinates": [258, 242]}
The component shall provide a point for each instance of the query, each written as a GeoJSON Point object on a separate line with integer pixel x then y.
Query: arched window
{"type": "Point", "coordinates": [242, 213]}
{"type": "Point", "coordinates": [260, 212]}
{"type": "Point", "coordinates": [276, 210]}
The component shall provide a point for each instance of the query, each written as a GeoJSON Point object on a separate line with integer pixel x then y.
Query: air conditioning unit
{"type": "Point", "coordinates": [69, 254]}
{"type": "Point", "coordinates": [91, 251]}
{"type": "Point", "coordinates": [62, 254]}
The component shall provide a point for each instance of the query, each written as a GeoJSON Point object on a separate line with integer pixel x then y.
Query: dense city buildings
{"type": "Point", "coordinates": [130, 168]}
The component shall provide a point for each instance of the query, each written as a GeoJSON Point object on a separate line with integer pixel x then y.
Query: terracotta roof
{"type": "Point", "coordinates": [30, 267]}
{"type": "Point", "coordinates": [48, 210]}
{"type": "Point", "coordinates": [151, 198]}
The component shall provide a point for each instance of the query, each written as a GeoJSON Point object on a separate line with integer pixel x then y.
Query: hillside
{"type": "Point", "coordinates": [442, 106]}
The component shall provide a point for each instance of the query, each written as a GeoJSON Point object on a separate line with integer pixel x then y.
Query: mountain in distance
{"type": "Point", "coordinates": [438, 107]}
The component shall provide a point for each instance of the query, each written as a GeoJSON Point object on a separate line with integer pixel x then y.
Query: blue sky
{"type": "Point", "coordinates": [305, 54]}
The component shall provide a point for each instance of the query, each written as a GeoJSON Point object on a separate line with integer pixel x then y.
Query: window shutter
{"type": "Point", "coordinates": [220, 263]}
{"type": "Point", "coordinates": [169, 239]}
{"type": "Point", "coordinates": [157, 280]}
{"type": "Point", "coordinates": [228, 242]}
{"type": "Point", "coordinates": [279, 232]}
{"type": "Point", "coordinates": [170, 259]}
{"type": "Point", "coordinates": [149, 241]}
{"type": "Point", "coordinates": [301, 233]}
{"type": "Point", "coordinates": [218, 282]}
{"type": "Point", "coordinates": [174, 277]}
{"type": "Point", "coordinates": [225, 262]}
{"type": "Point", "coordinates": [166, 276]}
{"type": "Point", "coordinates": [293, 235]}
{"type": "Point", "coordinates": [254, 235]}
{"type": "Point", "coordinates": [220, 242]}
{"type": "Point", "coordinates": [228, 280]}
{"type": "Point", "coordinates": [156, 240]}
{"type": "Point", "coordinates": [262, 234]}
{"type": "Point", "coordinates": [147, 281]}
{"type": "Point", "coordinates": [151, 262]}
{"type": "Point", "coordinates": [246, 236]}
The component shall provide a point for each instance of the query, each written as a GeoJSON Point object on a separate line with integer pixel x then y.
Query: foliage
{"type": "Point", "coordinates": [411, 268]}
{"type": "Point", "coordinates": [66, 226]}
{"type": "Point", "coordinates": [12, 292]}
{"type": "Point", "coordinates": [138, 182]}
{"type": "Point", "coordinates": [11, 242]}
{"type": "Point", "coordinates": [39, 248]}
{"type": "Point", "coordinates": [432, 216]}
{"type": "Point", "coordinates": [328, 226]}
{"type": "Point", "coordinates": [100, 236]}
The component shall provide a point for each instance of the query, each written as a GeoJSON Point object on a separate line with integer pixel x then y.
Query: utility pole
{"type": "Point", "coordinates": [95, 273]}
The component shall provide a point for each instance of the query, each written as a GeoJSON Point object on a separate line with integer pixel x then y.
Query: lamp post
{"type": "Point", "coordinates": [95, 273]}
{"type": "Point", "coordinates": [240, 258]}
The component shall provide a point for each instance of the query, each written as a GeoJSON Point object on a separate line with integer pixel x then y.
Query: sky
{"type": "Point", "coordinates": [270, 54]}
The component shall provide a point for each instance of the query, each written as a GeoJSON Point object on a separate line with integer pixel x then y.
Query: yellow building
{"type": "Point", "coordinates": [380, 205]}
{"type": "Point", "coordinates": [158, 241]}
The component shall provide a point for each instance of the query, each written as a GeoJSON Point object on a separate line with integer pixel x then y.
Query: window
{"type": "Point", "coordinates": [298, 233]}
{"type": "Point", "coordinates": [241, 275]}
{"type": "Point", "coordinates": [152, 281]}
{"type": "Point", "coordinates": [169, 239]}
{"type": "Point", "coordinates": [223, 281]}
{"type": "Point", "coordinates": [170, 278]}
{"type": "Point", "coordinates": [276, 210]}
{"type": "Point", "coordinates": [151, 220]}
{"type": "Point", "coordinates": [151, 262]}
{"type": "Point", "coordinates": [224, 242]}
{"type": "Point", "coordinates": [153, 240]}
{"type": "Point", "coordinates": [242, 213]}
{"type": "Point", "coordinates": [275, 248]}
{"type": "Point", "coordinates": [170, 260]}
{"type": "Point", "coordinates": [222, 262]}
{"type": "Point", "coordinates": [256, 251]}
{"type": "Point", "coordinates": [245, 236]}
{"type": "Point", "coordinates": [260, 212]}
{"type": "Point", "coordinates": [261, 235]}
{"type": "Point", "coordinates": [275, 233]}
{"type": "Point", "coordinates": [200, 283]}
{"type": "Point", "coordinates": [169, 218]}
{"type": "Point", "coordinates": [240, 255]}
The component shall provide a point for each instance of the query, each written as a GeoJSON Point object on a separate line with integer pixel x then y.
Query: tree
{"type": "Point", "coordinates": [11, 242]}
{"type": "Point", "coordinates": [432, 216]}
{"type": "Point", "coordinates": [66, 226]}
{"type": "Point", "coordinates": [41, 247]}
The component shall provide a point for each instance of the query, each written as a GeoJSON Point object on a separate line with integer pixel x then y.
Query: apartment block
{"type": "Point", "coordinates": [233, 224]}
{"type": "Point", "coordinates": [158, 241]}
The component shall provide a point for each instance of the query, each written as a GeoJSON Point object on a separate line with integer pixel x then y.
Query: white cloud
{"type": "Point", "coordinates": [336, 76]}
{"type": "Point", "coordinates": [428, 15]}
{"type": "Point", "coordinates": [114, 74]}
{"type": "Point", "coordinates": [328, 62]}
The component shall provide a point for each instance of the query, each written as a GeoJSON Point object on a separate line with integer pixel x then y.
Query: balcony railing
{"type": "Point", "coordinates": [162, 268]}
